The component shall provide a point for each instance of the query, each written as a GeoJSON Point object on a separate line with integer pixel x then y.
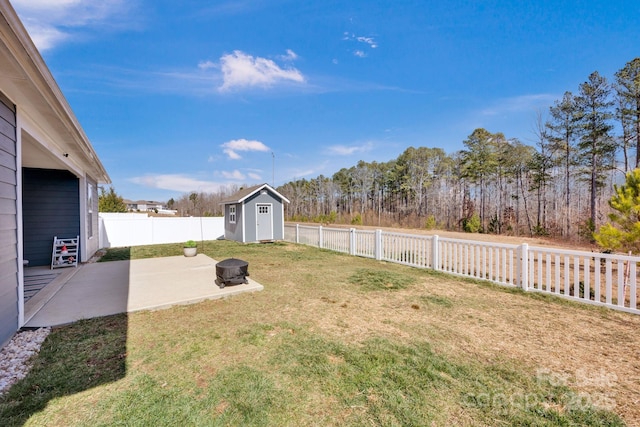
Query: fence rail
{"type": "Point", "coordinates": [608, 280]}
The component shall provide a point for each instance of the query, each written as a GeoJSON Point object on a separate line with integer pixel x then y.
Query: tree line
{"type": "Point", "coordinates": [584, 144]}
{"type": "Point", "coordinates": [559, 186]}
{"type": "Point", "coordinates": [203, 203]}
{"type": "Point", "coordinates": [189, 204]}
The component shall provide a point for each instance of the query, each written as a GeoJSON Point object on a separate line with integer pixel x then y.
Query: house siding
{"type": "Point", "coordinates": [8, 222]}
{"type": "Point", "coordinates": [50, 207]}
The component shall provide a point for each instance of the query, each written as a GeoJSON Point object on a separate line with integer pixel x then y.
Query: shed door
{"type": "Point", "coordinates": [264, 222]}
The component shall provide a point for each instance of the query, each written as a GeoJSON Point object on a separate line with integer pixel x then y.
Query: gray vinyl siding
{"type": "Point", "coordinates": [246, 228]}
{"type": "Point", "coordinates": [233, 231]}
{"type": "Point", "coordinates": [251, 218]}
{"type": "Point", "coordinates": [50, 207]}
{"type": "Point", "coordinates": [8, 222]}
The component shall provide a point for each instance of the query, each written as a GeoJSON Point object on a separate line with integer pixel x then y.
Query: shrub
{"type": "Point", "coordinates": [430, 223]}
{"type": "Point", "coordinates": [586, 230]}
{"type": "Point", "coordinates": [539, 230]}
{"type": "Point", "coordinates": [494, 225]}
{"type": "Point", "coordinates": [472, 224]}
{"type": "Point", "coordinates": [581, 291]}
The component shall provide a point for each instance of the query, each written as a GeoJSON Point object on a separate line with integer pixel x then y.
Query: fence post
{"type": "Point", "coordinates": [297, 233]}
{"type": "Point", "coordinates": [435, 253]}
{"type": "Point", "coordinates": [320, 237]}
{"type": "Point", "coordinates": [378, 243]}
{"type": "Point", "coordinates": [523, 266]}
{"type": "Point", "coordinates": [102, 241]}
{"type": "Point", "coordinates": [352, 241]}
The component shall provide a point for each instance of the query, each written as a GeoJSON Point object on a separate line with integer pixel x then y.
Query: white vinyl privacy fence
{"type": "Point", "coordinates": [132, 229]}
{"type": "Point", "coordinates": [595, 278]}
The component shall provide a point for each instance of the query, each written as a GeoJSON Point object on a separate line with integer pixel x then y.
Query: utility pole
{"type": "Point", "coordinates": [273, 170]}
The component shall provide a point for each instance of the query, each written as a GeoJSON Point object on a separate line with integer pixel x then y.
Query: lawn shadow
{"type": "Point", "coordinates": [117, 254]}
{"type": "Point", "coordinates": [73, 358]}
{"type": "Point", "coordinates": [87, 344]}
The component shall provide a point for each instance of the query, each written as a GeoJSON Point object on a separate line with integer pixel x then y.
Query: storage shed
{"type": "Point", "coordinates": [254, 214]}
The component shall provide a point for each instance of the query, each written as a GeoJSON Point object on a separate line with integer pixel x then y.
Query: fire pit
{"type": "Point", "coordinates": [231, 271]}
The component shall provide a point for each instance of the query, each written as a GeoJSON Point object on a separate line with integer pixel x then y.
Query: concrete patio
{"type": "Point", "coordinates": [101, 289]}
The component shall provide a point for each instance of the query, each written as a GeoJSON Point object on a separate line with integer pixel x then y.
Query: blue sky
{"type": "Point", "coordinates": [190, 95]}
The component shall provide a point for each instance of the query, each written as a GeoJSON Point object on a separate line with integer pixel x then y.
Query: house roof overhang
{"type": "Point", "coordinates": [245, 193]}
{"type": "Point", "coordinates": [54, 137]}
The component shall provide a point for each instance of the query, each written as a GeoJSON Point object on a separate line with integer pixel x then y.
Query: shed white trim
{"type": "Point", "coordinates": [244, 194]}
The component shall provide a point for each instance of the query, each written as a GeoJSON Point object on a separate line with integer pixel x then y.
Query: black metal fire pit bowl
{"type": "Point", "coordinates": [231, 271]}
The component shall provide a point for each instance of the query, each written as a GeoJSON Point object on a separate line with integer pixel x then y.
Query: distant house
{"type": "Point", "coordinates": [49, 172]}
{"type": "Point", "coordinates": [254, 214]}
{"type": "Point", "coordinates": [144, 205]}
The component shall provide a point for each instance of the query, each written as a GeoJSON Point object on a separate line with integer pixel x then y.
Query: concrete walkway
{"type": "Point", "coordinates": [102, 289]}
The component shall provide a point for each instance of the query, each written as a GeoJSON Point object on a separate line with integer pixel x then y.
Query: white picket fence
{"type": "Point", "coordinates": [132, 229]}
{"type": "Point", "coordinates": [608, 280]}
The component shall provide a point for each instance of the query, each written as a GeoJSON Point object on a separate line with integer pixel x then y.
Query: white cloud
{"type": "Point", "coordinates": [304, 172]}
{"type": "Point", "coordinates": [45, 37]}
{"type": "Point", "coordinates": [360, 39]}
{"type": "Point", "coordinates": [239, 176]}
{"type": "Point", "coordinates": [231, 148]}
{"type": "Point", "coordinates": [235, 175]}
{"type": "Point", "coordinates": [205, 65]}
{"type": "Point", "coordinates": [241, 70]}
{"type": "Point", "coordinates": [300, 171]}
{"type": "Point", "coordinates": [51, 22]}
{"type": "Point", "coordinates": [344, 150]}
{"type": "Point", "coordinates": [290, 56]}
{"type": "Point", "coordinates": [232, 154]}
{"type": "Point", "coordinates": [176, 182]}
{"type": "Point", "coordinates": [520, 103]}
{"type": "Point", "coordinates": [203, 78]}
{"type": "Point", "coordinates": [368, 40]}
{"type": "Point", "coordinates": [184, 183]}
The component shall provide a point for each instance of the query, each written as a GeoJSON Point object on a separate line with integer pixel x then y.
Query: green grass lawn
{"type": "Point", "coordinates": [332, 340]}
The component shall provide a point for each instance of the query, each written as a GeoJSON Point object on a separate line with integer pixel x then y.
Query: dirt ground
{"type": "Point", "coordinates": [495, 238]}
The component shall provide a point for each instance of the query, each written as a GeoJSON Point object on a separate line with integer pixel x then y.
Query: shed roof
{"type": "Point", "coordinates": [245, 193]}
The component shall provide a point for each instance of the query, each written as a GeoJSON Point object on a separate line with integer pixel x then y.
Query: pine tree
{"type": "Point", "coordinates": [110, 201]}
{"type": "Point", "coordinates": [622, 233]}
{"type": "Point", "coordinates": [480, 162]}
{"type": "Point", "coordinates": [597, 148]}
{"type": "Point", "coordinates": [628, 94]}
{"type": "Point", "coordinates": [562, 129]}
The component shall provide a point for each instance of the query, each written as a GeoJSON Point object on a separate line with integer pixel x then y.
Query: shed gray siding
{"type": "Point", "coordinates": [50, 207]}
{"type": "Point", "coordinates": [251, 219]}
{"type": "Point", "coordinates": [233, 231]}
{"type": "Point", "coordinates": [8, 222]}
